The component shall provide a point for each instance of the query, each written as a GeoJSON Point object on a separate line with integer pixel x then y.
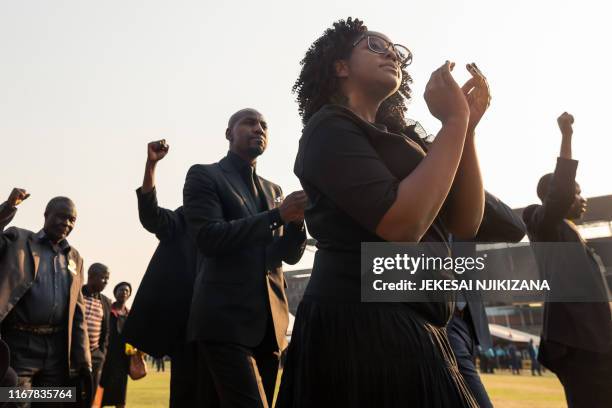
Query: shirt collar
{"type": "Point", "coordinates": [87, 293]}
{"type": "Point", "coordinates": [116, 311]}
{"type": "Point", "coordinates": [380, 126]}
{"type": "Point", "coordinates": [63, 245]}
{"type": "Point", "coordinates": [239, 163]}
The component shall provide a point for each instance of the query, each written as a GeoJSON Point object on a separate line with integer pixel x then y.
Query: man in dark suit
{"type": "Point", "coordinates": [244, 230]}
{"type": "Point", "coordinates": [158, 319]}
{"type": "Point", "coordinates": [41, 305]}
{"type": "Point", "coordinates": [469, 326]}
{"type": "Point", "coordinates": [576, 339]}
{"type": "Point", "coordinates": [97, 316]}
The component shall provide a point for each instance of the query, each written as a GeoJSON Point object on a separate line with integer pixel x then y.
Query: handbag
{"type": "Point", "coordinates": [138, 367]}
{"type": "Point", "coordinates": [97, 402]}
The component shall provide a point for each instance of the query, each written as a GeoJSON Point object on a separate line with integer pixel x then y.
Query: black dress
{"type": "Point", "coordinates": [117, 364]}
{"type": "Point", "coordinates": [345, 353]}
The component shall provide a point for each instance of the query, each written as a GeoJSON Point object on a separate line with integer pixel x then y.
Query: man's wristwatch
{"type": "Point", "coordinates": [275, 219]}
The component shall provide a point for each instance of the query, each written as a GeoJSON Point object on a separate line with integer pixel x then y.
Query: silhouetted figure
{"type": "Point", "coordinates": [533, 355]}
{"type": "Point", "coordinates": [576, 341]}
{"type": "Point", "coordinates": [157, 322]}
{"type": "Point", "coordinates": [117, 364]}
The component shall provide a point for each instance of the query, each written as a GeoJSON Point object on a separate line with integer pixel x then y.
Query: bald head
{"type": "Point", "coordinates": [579, 204]}
{"type": "Point", "coordinates": [60, 217]}
{"type": "Point", "coordinates": [97, 268]}
{"type": "Point", "coordinates": [58, 201]}
{"type": "Point", "coordinates": [97, 277]}
{"type": "Point", "coordinates": [241, 114]}
{"type": "Point", "coordinates": [247, 132]}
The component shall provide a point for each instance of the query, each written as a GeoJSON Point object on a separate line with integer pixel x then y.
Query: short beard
{"type": "Point", "coordinates": [255, 152]}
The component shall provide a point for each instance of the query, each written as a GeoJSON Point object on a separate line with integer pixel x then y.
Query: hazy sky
{"type": "Point", "coordinates": [85, 85]}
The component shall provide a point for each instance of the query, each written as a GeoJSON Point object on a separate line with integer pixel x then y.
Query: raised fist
{"type": "Point", "coordinates": [17, 196]}
{"type": "Point", "coordinates": [565, 122]}
{"type": "Point", "coordinates": [157, 150]}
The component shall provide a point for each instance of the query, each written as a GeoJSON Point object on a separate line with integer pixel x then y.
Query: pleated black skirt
{"type": "Point", "coordinates": [369, 355]}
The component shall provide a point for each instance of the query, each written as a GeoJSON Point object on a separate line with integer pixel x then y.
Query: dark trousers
{"type": "Point", "coordinates": [97, 362]}
{"type": "Point", "coordinates": [586, 376]}
{"type": "Point", "coordinates": [190, 387]}
{"type": "Point", "coordinates": [159, 364]}
{"type": "Point", "coordinates": [243, 376]}
{"type": "Point", "coordinates": [463, 345]}
{"type": "Point", "coordinates": [39, 361]}
{"type": "Point", "coordinates": [9, 379]}
{"type": "Point", "coordinates": [535, 366]}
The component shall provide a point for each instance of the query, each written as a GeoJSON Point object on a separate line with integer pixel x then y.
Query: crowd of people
{"type": "Point", "coordinates": [509, 357]}
{"type": "Point", "coordinates": [368, 175]}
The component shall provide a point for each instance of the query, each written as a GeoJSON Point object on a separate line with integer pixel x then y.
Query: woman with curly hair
{"type": "Point", "coordinates": [369, 177]}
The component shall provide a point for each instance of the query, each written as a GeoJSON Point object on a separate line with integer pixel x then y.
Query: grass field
{"type": "Point", "coordinates": [506, 391]}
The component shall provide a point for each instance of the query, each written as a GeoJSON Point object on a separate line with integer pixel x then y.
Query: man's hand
{"type": "Point", "coordinates": [292, 208]}
{"type": "Point", "coordinates": [478, 95]}
{"type": "Point", "coordinates": [17, 196]}
{"type": "Point", "coordinates": [157, 150]}
{"type": "Point", "coordinates": [565, 122]}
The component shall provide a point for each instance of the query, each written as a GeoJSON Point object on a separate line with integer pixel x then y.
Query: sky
{"type": "Point", "coordinates": [85, 85]}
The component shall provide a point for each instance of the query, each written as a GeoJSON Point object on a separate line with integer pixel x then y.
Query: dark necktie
{"type": "Point", "coordinates": [251, 184]}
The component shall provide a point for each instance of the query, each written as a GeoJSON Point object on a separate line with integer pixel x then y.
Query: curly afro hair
{"type": "Point", "coordinates": [317, 84]}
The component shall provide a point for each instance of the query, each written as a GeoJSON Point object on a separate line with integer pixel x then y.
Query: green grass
{"type": "Point", "coordinates": [152, 391]}
{"type": "Point", "coordinates": [508, 391]}
{"type": "Point", "coordinates": [505, 390]}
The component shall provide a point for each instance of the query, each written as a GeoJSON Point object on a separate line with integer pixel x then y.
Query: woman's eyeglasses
{"type": "Point", "coordinates": [380, 46]}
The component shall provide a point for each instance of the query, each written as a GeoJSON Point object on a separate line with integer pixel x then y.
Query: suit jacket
{"type": "Point", "coordinates": [5, 358]}
{"type": "Point", "coordinates": [240, 282]}
{"type": "Point", "coordinates": [105, 335]}
{"type": "Point", "coordinates": [499, 224]}
{"type": "Point", "coordinates": [105, 329]}
{"type": "Point", "coordinates": [158, 319]}
{"type": "Point", "coordinates": [18, 267]}
{"type": "Point", "coordinates": [583, 325]}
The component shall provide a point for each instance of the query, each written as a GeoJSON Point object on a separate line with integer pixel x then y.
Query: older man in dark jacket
{"type": "Point", "coordinates": [41, 305]}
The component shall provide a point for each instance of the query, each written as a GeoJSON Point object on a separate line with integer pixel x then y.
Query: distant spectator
{"type": "Point", "coordinates": [117, 364]}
